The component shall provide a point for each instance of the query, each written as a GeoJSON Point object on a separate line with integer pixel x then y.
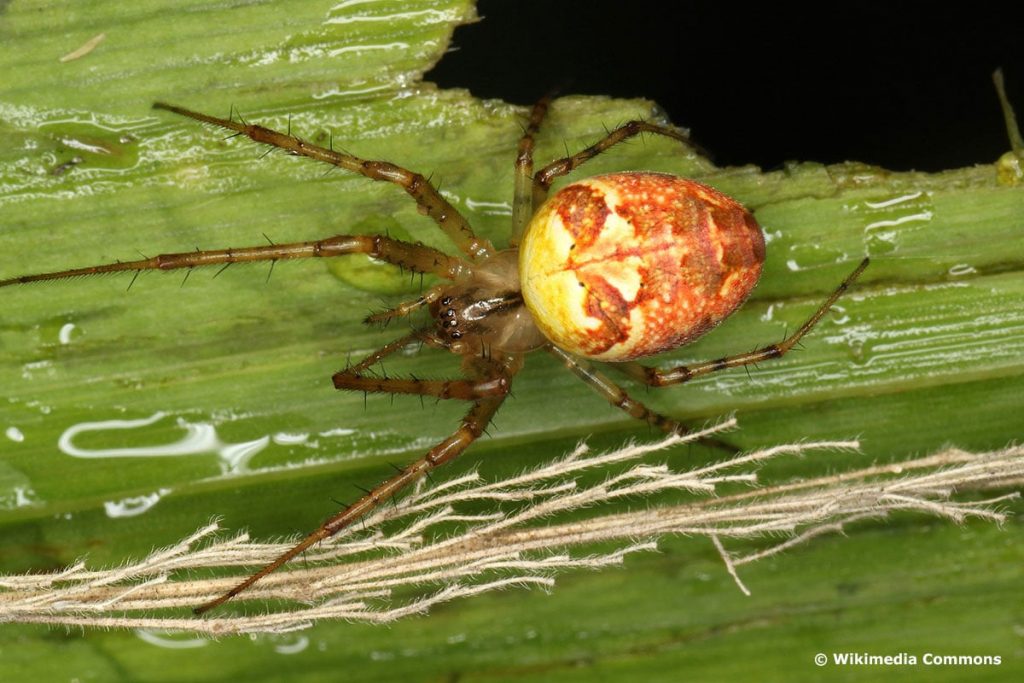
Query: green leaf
{"type": "Point", "coordinates": [926, 351]}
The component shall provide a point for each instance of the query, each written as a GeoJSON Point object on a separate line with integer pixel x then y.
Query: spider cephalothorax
{"type": "Point", "coordinates": [613, 268]}
{"type": "Point", "coordinates": [484, 311]}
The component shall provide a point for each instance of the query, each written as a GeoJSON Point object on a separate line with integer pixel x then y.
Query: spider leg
{"type": "Point", "coordinates": [494, 382]}
{"type": "Point", "coordinates": [419, 188]}
{"type": "Point", "coordinates": [462, 389]}
{"type": "Point", "coordinates": [522, 202]}
{"type": "Point", "coordinates": [386, 350]}
{"type": "Point", "coordinates": [405, 308]}
{"type": "Point", "coordinates": [544, 177]}
{"type": "Point", "coordinates": [656, 377]}
{"type": "Point", "coordinates": [613, 393]}
{"type": "Point", "coordinates": [472, 427]}
{"type": "Point", "coordinates": [416, 257]}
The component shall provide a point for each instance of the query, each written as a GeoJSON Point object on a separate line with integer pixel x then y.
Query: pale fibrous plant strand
{"type": "Point", "coordinates": [1009, 116]}
{"type": "Point", "coordinates": [467, 536]}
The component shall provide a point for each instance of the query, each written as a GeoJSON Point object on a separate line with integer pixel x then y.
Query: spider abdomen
{"type": "Point", "coordinates": [627, 265]}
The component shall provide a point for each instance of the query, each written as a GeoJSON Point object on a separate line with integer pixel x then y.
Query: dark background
{"type": "Point", "coordinates": [901, 85]}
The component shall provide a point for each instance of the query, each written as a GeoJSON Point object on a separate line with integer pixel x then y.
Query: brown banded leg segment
{"type": "Point", "coordinates": [415, 185]}
{"type": "Point", "coordinates": [462, 389]}
{"type": "Point", "coordinates": [522, 202]}
{"type": "Point", "coordinates": [544, 177]}
{"type": "Point", "coordinates": [659, 378]}
{"type": "Point", "coordinates": [415, 257]}
{"type": "Point", "coordinates": [613, 393]}
{"type": "Point", "coordinates": [405, 308]}
{"type": "Point", "coordinates": [472, 427]}
{"type": "Point", "coordinates": [385, 351]}
{"type": "Point", "coordinates": [352, 378]}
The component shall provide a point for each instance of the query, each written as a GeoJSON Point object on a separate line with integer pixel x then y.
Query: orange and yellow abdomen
{"type": "Point", "coordinates": [627, 265]}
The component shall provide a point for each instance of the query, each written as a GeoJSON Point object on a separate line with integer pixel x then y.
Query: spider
{"type": "Point", "coordinates": [611, 269]}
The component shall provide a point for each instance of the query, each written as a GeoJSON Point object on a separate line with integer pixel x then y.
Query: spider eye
{"type": "Point", "coordinates": [446, 301]}
{"type": "Point", "coordinates": [456, 335]}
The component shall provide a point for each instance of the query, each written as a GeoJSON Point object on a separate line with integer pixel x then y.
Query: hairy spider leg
{"type": "Point", "coordinates": [419, 188]}
{"type": "Point", "coordinates": [493, 384]}
{"type": "Point", "coordinates": [386, 350]}
{"type": "Point", "coordinates": [560, 167]}
{"type": "Point", "coordinates": [462, 389]}
{"type": "Point", "coordinates": [656, 377]}
{"type": "Point", "coordinates": [405, 308]}
{"type": "Point", "coordinates": [472, 427]}
{"type": "Point", "coordinates": [613, 393]}
{"type": "Point", "coordinates": [416, 257]}
{"type": "Point", "coordinates": [522, 202]}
